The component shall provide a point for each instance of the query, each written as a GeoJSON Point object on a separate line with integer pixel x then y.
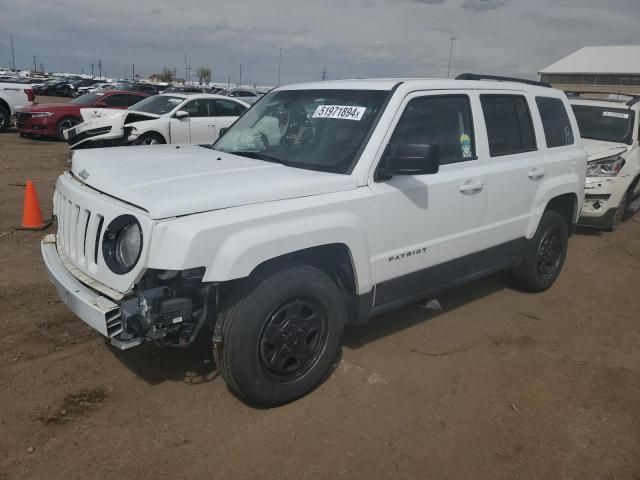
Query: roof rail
{"type": "Point", "coordinates": [476, 76]}
{"type": "Point", "coordinates": [633, 99]}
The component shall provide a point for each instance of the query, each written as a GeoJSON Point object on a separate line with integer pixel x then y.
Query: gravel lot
{"type": "Point", "coordinates": [498, 384]}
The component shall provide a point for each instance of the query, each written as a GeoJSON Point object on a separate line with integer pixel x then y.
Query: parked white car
{"type": "Point", "coordinates": [323, 205]}
{"type": "Point", "coordinates": [609, 130]}
{"type": "Point", "coordinates": [168, 118]}
{"type": "Point", "coordinates": [96, 87]}
{"type": "Point", "coordinates": [12, 97]}
{"type": "Point", "coordinates": [244, 94]}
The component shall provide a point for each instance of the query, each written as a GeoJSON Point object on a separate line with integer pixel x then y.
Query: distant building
{"type": "Point", "coordinates": [613, 69]}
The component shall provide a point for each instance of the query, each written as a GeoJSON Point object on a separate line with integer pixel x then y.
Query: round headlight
{"type": "Point", "coordinates": [122, 244]}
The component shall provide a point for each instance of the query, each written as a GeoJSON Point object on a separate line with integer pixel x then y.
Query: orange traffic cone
{"type": "Point", "coordinates": [31, 215]}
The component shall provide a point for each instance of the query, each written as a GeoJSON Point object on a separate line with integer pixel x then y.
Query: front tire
{"type": "Point", "coordinates": [64, 124]}
{"type": "Point", "coordinates": [620, 213]}
{"type": "Point", "coordinates": [280, 334]}
{"type": "Point", "coordinates": [151, 138]}
{"type": "Point", "coordinates": [544, 254]}
{"type": "Point", "coordinates": [5, 116]}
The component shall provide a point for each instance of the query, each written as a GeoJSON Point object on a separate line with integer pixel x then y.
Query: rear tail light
{"type": "Point", "coordinates": [31, 96]}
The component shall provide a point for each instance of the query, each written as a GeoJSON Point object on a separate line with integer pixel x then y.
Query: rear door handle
{"type": "Point", "coordinates": [471, 187]}
{"type": "Point", "coordinates": [211, 125]}
{"type": "Point", "coordinates": [536, 173]}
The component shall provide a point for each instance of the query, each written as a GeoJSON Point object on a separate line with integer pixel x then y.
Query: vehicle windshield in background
{"type": "Point", "coordinates": [159, 104]}
{"type": "Point", "coordinates": [606, 124]}
{"type": "Point", "coordinates": [313, 129]}
{"type": "Point", "coordinates": [87, 99]}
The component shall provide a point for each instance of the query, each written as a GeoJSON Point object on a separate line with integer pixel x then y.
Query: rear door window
{"type": "Point", "coordinates": [509, 125]}
{"type": "Point", "coordinates": [227, 108]}
{"type": "Point", "coordinates": [555, 120]}
{"type": "Point", "coordinates": [118, 100]}
{"type": "Point", "coordinates": [133, 99]}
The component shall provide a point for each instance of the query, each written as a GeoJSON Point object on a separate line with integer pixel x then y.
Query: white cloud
{"type": "Point", "coordinates": [351, 39]}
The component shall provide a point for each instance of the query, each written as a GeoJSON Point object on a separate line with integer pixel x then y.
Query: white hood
{"type": "Point", "coordinates": [174, 180]}
{"type": "Point", "coordinates": [110, 116]}
{"type": "Point", "coordinates": [598, 149]}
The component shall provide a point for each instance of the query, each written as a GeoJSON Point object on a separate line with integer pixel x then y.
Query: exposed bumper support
{"type": "Point", "coordinates": [97, 311]}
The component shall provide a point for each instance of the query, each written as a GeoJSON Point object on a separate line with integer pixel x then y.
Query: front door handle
{"type": "Point", "coordinates": [536, 173]}
{"type": "Point", "coordinates": [471, 187]}
{"type": "Point", "coordinates": [211, 125]}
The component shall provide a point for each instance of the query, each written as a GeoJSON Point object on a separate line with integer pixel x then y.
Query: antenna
{"type": "Point", "coordinates": [324, 74]}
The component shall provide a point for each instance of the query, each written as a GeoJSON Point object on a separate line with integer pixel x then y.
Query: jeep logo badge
{"type": "Point", "coordinates": [83, 174]}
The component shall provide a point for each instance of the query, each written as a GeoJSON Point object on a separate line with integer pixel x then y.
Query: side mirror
{"type": "Point", "coordinates": [409, 159]}
{"type": "Point", "coordinates": [101, 104]}
{"type": "Point", "coordinates": [180, 114]}
{"type": "Point", "coordinates": [223, 131]}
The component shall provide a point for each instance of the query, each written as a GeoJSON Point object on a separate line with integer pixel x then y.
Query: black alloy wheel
{"type": "Point", "coordinates": [293, 338]}
{"type": "Point", "coordinates": [549, 253]}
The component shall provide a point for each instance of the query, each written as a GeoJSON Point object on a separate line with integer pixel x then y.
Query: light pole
{"type": "Point", "coordinates": [453, 41]}
{"type": "Point", "coordinates": [279, 66]}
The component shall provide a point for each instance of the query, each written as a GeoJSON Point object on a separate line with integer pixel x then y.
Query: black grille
{"type": "Point", "coordinates": [21, 118]}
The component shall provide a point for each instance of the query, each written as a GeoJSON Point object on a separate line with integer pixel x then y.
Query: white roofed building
{"type": "Point", "coordinates": [613, 69]}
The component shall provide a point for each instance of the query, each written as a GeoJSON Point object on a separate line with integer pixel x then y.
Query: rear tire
{"type": "Point", "coordinates": [5, 118]}
{"type": "Point", "coordinates": [280, 334]}
{"type": "Point", "coordinates": [544, 254]}
{"type": "Point", "coordinates": [150, 138]}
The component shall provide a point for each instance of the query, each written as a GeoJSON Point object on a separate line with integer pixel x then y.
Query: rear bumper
{"type": "Point", "coordinates": [97, 311]}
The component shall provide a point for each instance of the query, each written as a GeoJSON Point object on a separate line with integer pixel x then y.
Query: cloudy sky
{"type": "Point", "coordinates": [350, 38]}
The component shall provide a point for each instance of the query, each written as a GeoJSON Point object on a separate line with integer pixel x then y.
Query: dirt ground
{"type": "Point", "coordinates": [497, 385]}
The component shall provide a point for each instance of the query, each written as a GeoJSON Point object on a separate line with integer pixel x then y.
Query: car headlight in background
{"type": "Point", "coordinates": [122, 244]}
{"type": "Point", "coordinates": [606, 167]}
{"type": "Point", "coordinates": [41, 114]}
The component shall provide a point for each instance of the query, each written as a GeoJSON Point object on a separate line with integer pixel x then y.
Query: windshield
{"type": "Point", "coordinates": [606, 124]}
{"type": "Point", "coordinates": [87, 99]}
{"type": "Point", "coordinates": [159, 104]}
{"type": "Point", "coordinates": [313, 129]}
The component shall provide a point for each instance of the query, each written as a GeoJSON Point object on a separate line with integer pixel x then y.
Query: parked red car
{"type": "Point", "coordinates": [50, 119]}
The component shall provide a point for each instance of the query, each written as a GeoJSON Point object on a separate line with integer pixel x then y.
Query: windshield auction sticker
{"type": "Point", "coordinates": [340, 112]}
{"type": "Point", "coordinates": [615, 115]}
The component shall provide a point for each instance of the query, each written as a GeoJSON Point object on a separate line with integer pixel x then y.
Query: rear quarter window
{"type": "Point", "coordinates": [556, 123]}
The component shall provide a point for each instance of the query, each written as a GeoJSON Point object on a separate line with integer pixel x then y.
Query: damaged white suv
{"type": "Point", "coordinates": [609, 128]}
{"type": "Point", "coordinates": [325, 204]}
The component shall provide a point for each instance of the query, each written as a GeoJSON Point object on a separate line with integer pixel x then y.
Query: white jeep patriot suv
{"type": "Point", "coordinates": [324, 204]}
{"type": "Point", "coordinates": [609, 129]}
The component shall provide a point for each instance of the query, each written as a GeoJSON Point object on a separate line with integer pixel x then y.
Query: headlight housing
{"type": "Point", "coordinates": [41, 114]}
{"type": "Point", "coordinates": [122, 244]}
{"type": "Point", "coordinates": [606, 167]}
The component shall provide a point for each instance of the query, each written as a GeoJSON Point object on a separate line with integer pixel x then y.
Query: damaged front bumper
{"type": "Point", "coordinates": [96, 310]}
{"type": "Point", "coordinates": [602, 198]}
{"type": "Point", "coordinates": [170, 308]}
{"type": "Point", "coordinates": [80, 136]}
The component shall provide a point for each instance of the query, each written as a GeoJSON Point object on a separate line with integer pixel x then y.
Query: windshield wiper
{"type": "Point", "coordinates": [258, 156]}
